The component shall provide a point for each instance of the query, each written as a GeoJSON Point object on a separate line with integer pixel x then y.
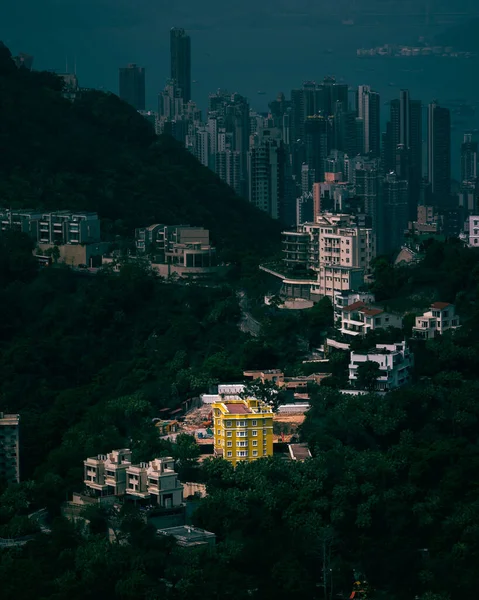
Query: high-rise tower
{"type": "Point", "coordinates": [439, 154]}
{"type": "Point", "coordinates": [468, 158]}
{"type": "Point", "coordinates": [180, 51]}
{"type": "Point", "coordinates": [368, 109]}
{"type": "Point", "coordinates": [132, 85]}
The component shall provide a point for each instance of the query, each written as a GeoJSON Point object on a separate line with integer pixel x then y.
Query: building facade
{"type": "Point", "coordinates": [132, 86]}
{"type": "Point", "coordinates": [55, 228]}
{"type": "Point", "coordinates": [395, 365]}
{"type": "Point", "coordinates": [180, 55]}
{"type": "Point", "coordinates": [114, 474]}
{"type": "Point", "coordinates": [243, 430]}
{"type": "Point", "coordinates": [440, 318]}
{"type": "Point", "coordinates": [155, 480]}
{"type": "Point", "coordinates": [9, 448]}
{"type": "Point", "coordinates": [359, 318]}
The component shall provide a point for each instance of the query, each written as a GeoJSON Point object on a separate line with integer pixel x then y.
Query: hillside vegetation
{"type": "Point", "coordinates": [99, 154]}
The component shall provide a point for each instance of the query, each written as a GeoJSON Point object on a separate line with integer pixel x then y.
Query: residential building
{"type": "Point", "coordinates": [190, 537]}
{"type": "Point", "coordinates": [113, 474]}
{"type": "Point", "coordinates": [439, 318]}
{"type": "Point", "coordinates": [180, 55]}
{"type": "Point", "coordinates": [9, 448]}
{"type": "Point", "coordinates": [474, 231]}
{"type": "Point", "coordinates": [155, 480]}
{"type": "Point", "coordinates": [360, 318]}
{"type": "Point", "coordinates": [179, 249]}
{"type": "Point", "coordinates": [345, 253]}
{"type": "Point", "coordinates": [395, 364]}
{"type": "Point", "coordinates": [132, 85]}
{"type": "Point", "coordinates": [105, 474]}
{"type": "Point", "coordinates": [243, 429]}
{"type": "Point", "coordinates": [334, 254]}
{"type": "Point", "coordinates": [439, 154]}
{"type": "Point", "coordinates": [345, 298]}
{"type": "Point", "coordinates": [56, 228]}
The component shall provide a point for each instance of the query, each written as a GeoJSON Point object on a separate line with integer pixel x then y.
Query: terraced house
{"type": "Point", "coordinates": [243, 429]}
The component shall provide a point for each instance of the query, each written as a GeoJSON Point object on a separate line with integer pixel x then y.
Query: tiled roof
{"type": "Point", "coordinates": [361, 307]}
{"type": "Point", "coordinates": [440, 305]}
{"type": "Point", "coordinates": [354, 306]}
{"type": "Point", "coordinates": [371, 312]}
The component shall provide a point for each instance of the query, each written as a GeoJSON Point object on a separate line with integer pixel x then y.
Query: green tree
{"type": "Point", "coordinates": [367, 374]}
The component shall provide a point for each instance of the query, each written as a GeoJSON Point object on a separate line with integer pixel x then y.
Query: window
{"type": "Point", "coordinates": [254, 422]}
{"type": "Point", "coordinates": [240, 424]}
{"type": "Point", "coordinates": [378, 321]}
{"type": "Point", "coordinates": [218, 431]}
{"type": "Point", "coordinates": [110, 473]}
{"type": "Point", "coordinates": [242, 453]}
{"type": "Point", "coordinates": [230, 454]}
{"type": "Point", "coordinates": [241, 433]}
{"type": "Point", "coordinates": [228, 434]}
{"type": "Point", "coordinates": [241, 444]}
{"type": "Point", "coordinates": [254, 432]}
{"type": "Point", "coordinates": [229, 444]}
{"type": "Point", "coordinates": [265, 453]}
{"type": "Point", "coordinates": [255, 443]}
{"type": "Point", "coordinates": [228, 424]}
{"type": "Point", "coordinates": [255, 452]}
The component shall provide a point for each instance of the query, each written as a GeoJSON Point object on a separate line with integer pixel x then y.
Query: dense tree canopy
{"type": "Point", "coordinates": [99, 154]}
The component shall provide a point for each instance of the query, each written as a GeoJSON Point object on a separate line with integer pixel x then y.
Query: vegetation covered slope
{"type": "Point", "coordinates": [99, 154]}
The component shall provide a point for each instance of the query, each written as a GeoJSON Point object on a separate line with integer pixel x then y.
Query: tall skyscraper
{"type": "Point", "coordinates": [368, 111]}
{"type": "Point", "coordinates": [403, 145]}
{"type": "Point", "coordinates": [395, 211]}
{"type": "Point", "coordinates": [180, 52]}
{"type": "Point", "coordinates": [318, 135]}
{"type": "Point", "coordinates": [266, 170]}
{"type": "Point", "coordinates": [468, 158]}
{"type": "Point", "coordinates": [439, 154]}
{"type": "Point", "coordinates": [132, 85]}
{"type": "Point", "coordinates": [366, 177]}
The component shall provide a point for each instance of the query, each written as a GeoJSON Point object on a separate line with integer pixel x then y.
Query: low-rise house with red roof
{"type": "Point", "coordinates": [359, 318]}
{"type": "Point", "coordinates": [439, 318]}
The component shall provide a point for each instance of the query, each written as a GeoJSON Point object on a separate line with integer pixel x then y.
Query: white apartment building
{"type": "Point", "coordinates": [345, 253]}
{"type": "Point", "coordinates": [439, 318]}
{"type": "Point", "coordinates": [345, 298]}
{"type": "Point", "coordinates": [395, 363]}
{"type": "Point", "coordinates": [60, 227]}
{"type": "Point", "coordinates": [329, 257]}
{"type": "Point", "coordinates": [474, 231]}
{"type": "Point", "coordinates": [9, 448]}
{"type": "Point", "coordinates": [105, 474]}
{"type": "Point", "coordinates": [113, 474]}
{"type": "Point", "coordinates": [360, 318]}
{"type": "Point", "coordinates": [157, 480]}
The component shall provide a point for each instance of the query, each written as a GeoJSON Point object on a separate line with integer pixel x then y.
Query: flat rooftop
{"type": "Point", "coordinates": [237, 408]}
{"type": "Point", "coordinates": [9, 419]}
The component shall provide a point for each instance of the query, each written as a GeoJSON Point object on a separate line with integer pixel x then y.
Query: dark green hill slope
{"type": "Point", "coordinates": [99, 154]}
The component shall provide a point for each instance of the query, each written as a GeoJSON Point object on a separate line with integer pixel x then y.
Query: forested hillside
{"type": "Point", "coordinates": [99, 154]}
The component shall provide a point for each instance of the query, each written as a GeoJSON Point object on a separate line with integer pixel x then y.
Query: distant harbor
{"type": "Point", "coordinates": [391, 50]}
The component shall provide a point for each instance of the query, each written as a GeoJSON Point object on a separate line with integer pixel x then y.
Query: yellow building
{"type": "Point", "coordinates": [243, 429]}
